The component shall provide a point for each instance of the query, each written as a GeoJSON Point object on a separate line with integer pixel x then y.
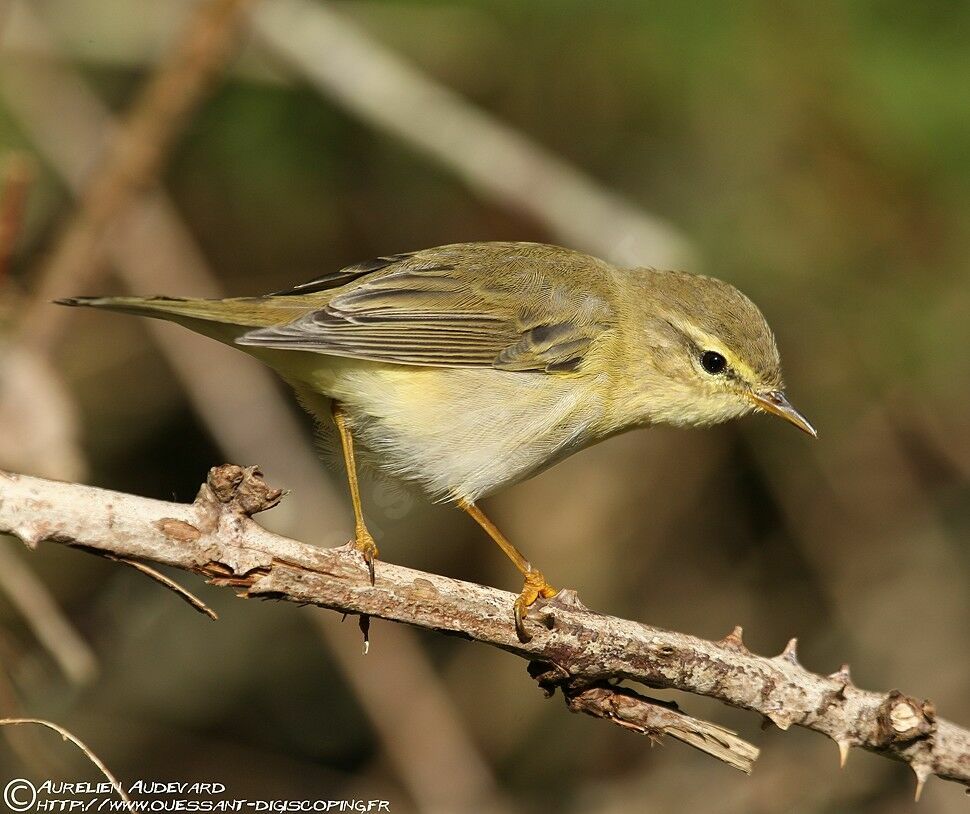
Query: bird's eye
{"type": "Point", "coordinates": [713, 362]}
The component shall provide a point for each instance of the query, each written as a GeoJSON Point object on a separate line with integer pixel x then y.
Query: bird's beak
{"type": "Point", "coordinates": [774, 401]}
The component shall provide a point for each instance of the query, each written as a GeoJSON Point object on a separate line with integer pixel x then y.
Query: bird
{"type": "Point", "coordinates": [470, 367]}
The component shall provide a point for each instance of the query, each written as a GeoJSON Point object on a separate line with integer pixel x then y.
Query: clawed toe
{"type": "Point", "coordinates": [518, 612]}
{"type": "Point", "coordinates": [365, 544]}
{"type": "Point", "coordinates": [534, 588]}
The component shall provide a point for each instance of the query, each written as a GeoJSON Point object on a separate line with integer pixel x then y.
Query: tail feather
{"type": "Point", "coordinates": [242, 312]}
{"type": "Point", "coordinates": [161, 307]}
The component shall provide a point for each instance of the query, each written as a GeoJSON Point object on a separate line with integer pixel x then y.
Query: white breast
{"type": "Point", "coordinates": [461, 433]}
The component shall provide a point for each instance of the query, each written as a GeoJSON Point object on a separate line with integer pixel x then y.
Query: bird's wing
{"type": "Point", "coordinates": [344, 276]}
{"type": "Point", "coordinates": [512, 306]}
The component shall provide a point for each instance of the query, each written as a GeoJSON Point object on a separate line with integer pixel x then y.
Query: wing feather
{"type": "Point", "coordinates": [342, 277]}
{"type": "Point", "coordinates": [512, 306]}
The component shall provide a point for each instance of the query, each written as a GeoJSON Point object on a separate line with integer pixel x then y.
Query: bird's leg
{"type": "Point", "coordinates": [363, 541]}
{"type": "Point", "coordinates": [535, 583]}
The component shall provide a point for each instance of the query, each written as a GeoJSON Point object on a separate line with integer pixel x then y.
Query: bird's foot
{"type": "Point", "coordinates": [364, 543]}
{"type": "Point", "coordinates": [535, 588]}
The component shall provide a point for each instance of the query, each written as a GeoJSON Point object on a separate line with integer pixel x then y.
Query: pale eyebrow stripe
{"type": "Point", "coordinates": [701, 341]}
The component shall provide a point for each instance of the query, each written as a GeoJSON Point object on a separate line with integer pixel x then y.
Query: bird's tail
{"type": "Point", "coordinates": [160, 307]}
{"type": "Point", "coordinates": [221, 319]}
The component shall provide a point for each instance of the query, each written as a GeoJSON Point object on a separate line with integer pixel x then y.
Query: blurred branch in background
{"type": "Point", "coordinates": [15, 177]}
{"type": "Point", "coordinates": [38, 415]}
{"type": "Point", "coordinates": [495, 160]}
{"type": "Point", "coordinates": [136, 152]}
{"type": "Point", "coordinates": [149, 244]}
{"type": "Point", "coordinates": [39, 428]}
{"type": "Point", "coordinates": [33, 601]}
{"type": "Point", "coordinates": [67, 736]}
{"type": "Point", "coordinates": [574, 650]}
{"type": "Point", "coordinates": [410, 699]}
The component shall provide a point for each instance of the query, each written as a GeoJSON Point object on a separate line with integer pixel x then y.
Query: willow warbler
{"type": "Point", "coordinates": [469, 367]}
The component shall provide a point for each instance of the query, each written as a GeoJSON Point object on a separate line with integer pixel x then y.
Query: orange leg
{"type": "Point", "coordinates": [535, 583]}
{"type": "Point", "coordinates": [363, 541]}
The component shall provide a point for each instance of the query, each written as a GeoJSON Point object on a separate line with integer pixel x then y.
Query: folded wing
{"type": "Point", "coordinates": [512, 306]}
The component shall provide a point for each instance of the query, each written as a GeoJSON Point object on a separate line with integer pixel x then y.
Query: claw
{"type": "Point", "coordinates": [534, 588]}
{"type": "Point", "coordinates": [365, 544]}
{"type": "Point", "coordinates": [369, 559]}
{"type": "Point", "coordinates": [518, 612]}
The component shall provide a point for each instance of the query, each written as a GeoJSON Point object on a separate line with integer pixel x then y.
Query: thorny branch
{"type": "Point", "coordinates": [581, 653]}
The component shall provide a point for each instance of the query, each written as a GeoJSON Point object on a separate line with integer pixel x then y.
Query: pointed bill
{"type": "Point", "coordinates": [775, 402]}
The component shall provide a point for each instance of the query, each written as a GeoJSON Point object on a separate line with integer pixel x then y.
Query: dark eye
{"type": "Point", "coordinates": [713, 362]}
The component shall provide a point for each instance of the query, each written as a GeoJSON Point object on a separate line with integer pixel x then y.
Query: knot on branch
{"type": "Point", "coordinates": [902, 719]}
{"type": "Point", "coordinates": [240, 489]}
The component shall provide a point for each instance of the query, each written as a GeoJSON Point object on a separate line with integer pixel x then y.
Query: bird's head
{"type": "Point", "coordinates": [709, 354]}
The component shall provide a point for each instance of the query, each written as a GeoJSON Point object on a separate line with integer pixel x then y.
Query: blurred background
{"type": "Point", "coordinates": [816, 156]}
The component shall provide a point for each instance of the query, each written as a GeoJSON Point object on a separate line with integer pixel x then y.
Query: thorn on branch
{"type": "Point", "coordinates": [363, 622]}
{"type": "Point", "coordinates": [922, 775]}
{"type": "Point", "coordinates": [790, 653]}
{"type": "Point", "coordinates": [844, 680]}
{"type": "Point", "coordinates": [779, 719]}
{"type": "Point", "coordinates": [734, 641]}
{"type": "Point", "coordinates": [566, 598]}
{"type": "Point", "coordinates": [844, 746]}
{"type": "Point", "coordinates": [843, 676]}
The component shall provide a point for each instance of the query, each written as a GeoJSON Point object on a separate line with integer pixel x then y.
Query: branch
{"type": "Point", "coordinates": [15, 181]}
{"type": "Point", "coordinates": [151, 247]}
{"type": "Point", "coordinates": [580, 652]}
{"type": "Point", "coordinates": [496, 161]}
{"type": "Point", "coordinates": [135, 156]}
{"type": "Point", "coordinates": [98, 763]}
{"type": "Point", "coordinates": [25, 591]}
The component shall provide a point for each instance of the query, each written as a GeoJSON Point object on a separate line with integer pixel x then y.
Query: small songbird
{"type": "Point", "coordinates": [469, 367]}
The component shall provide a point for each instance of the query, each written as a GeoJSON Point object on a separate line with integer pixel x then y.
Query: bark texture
{"type": "Point", "coordinates": [582, 653]}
